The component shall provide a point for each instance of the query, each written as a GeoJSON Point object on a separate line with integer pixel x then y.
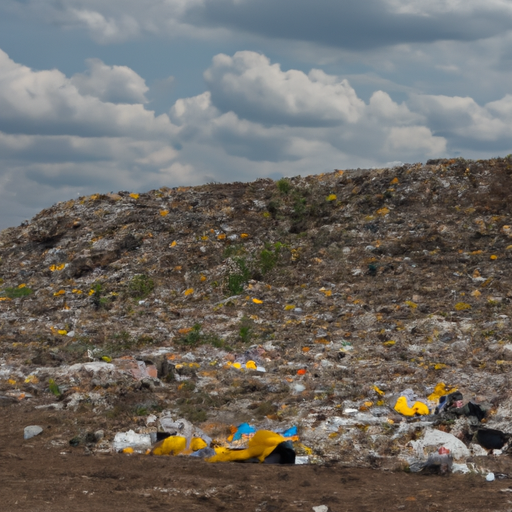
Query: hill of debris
{"type": "Point", "coordinates": [341, 290]}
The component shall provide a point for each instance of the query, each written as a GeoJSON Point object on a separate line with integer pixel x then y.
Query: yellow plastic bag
{"type": "Point", "coordinates": [261, 445]}
{"type": "Point", "coordinates": [402, 407]}
{"type": "Point", "coordinates": [440, 390]}
{"type": "Point", "coordinates": [174, 445]}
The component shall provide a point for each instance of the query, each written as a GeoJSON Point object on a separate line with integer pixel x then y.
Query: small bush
{"type": "Point", "coordinates": [97, 298]}
{"type": "Point", "coordinates": [141, 286]}
{"type": "Point", "coordinates": [196, 337]}
{"type": "Point", "coordinates": [16, 293]}
{"type": "Point", "coordinates": [236, 281]}
{"type": "Point", "coordinates": [269, 257]}
{"type": "Point", "coordinates": [284, 186]}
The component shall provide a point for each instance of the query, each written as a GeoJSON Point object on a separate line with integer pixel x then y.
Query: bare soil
{"type": "Point", "coordinates": [39, 478]}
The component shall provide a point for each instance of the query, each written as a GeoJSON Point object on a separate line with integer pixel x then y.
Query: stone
{"type": "Point", "coordinates": [32, 431]}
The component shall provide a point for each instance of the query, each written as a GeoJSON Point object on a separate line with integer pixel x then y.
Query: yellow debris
{"type": "Point", "coordinates": [417, 408]}
{"type": "Point", "coordinates": [174, 445]}
{"type": "Point", "coordinates": [440, 390]}
{"type": "Point", "coordinates": [261, 445]}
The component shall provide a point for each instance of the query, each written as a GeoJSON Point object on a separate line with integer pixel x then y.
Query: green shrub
{"type": "Point", "coordinates": [269, 257]}
{"type": "Point", "coordinates": [16, 292]}
{"type": "Point", "coordinates": [283, 185]}
{"type": "Point", "coordinates": [197, 337]}
{"type": "Point", "coordinates": [141, 286]}
{"type": "Point", "coordinates": [236, 281]}
{"type": "Point", "coordinates": [97, 298]}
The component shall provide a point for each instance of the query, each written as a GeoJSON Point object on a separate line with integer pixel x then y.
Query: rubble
{"type": "Point", "coordinates": [338, 303]}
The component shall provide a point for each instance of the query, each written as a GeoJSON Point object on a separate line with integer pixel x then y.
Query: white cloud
{"type": "Point", "coordinates": [50, 103]}
{"type": "Point", "coordinates": [114, 84]}
{"type": "Point", "coordinates": [255, 89]}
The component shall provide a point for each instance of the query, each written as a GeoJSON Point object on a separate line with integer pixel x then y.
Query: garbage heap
{"type": "Point", "coordinates": [346, 304]}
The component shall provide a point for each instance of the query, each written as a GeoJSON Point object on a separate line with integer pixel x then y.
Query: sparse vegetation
{"type": "Point", "coordinates": [141, 286]}
{"type": "Point", "coordinates": [16, 293]}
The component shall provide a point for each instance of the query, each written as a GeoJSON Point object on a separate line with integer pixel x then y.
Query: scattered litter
{"type": "Point", "coordinates": [32, 431]}
{"type": "Point", "coordinates": [490, 477]}
{"type": "Point", "coordinates": [138, 442]}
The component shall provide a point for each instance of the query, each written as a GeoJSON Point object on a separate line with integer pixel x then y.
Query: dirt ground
{"type": "Point", "coordinates": [38, 475]}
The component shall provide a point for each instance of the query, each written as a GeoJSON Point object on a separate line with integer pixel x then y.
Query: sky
{"type": "Point", "coordinates": [102, 96]}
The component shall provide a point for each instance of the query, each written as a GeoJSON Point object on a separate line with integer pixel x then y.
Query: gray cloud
{"type": "Point", "coordinates": [356, 25]}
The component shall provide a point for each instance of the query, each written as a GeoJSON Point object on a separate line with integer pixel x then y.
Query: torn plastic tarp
{"type": "Point", "coordinates": [264, 446]}
{"type": "Point", "coordinates": [244, 430]}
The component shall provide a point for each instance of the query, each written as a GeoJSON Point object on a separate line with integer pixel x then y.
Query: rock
{"type": "Point", "coordinates": [32, 431]}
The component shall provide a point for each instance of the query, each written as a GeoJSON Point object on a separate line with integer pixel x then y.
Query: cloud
{"type": "Point", "coordinates": [351, 25]}
{"type": "Point", "coordinates": [47, 102]}
{"type": "Point", "coordinates": [250, 86]}
{"type": "Point", "coordinates": [257, 111]}
{"type": "Point", "coordinates": [467, 124]}
{"type": "Point", "coordinates": [113, 84]}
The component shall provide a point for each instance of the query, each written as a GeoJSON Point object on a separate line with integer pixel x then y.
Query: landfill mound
{"type": "Point", "coordinates": [339, 303]}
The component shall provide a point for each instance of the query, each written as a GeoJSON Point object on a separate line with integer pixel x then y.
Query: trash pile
{"type": "Point", "coordinates": [368, 308]}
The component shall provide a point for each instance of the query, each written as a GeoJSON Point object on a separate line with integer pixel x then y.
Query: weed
{"type": "Point", "coordinates": [269, 257]}
{"type": "Point", "coordinates": [16, 293]}
{"type": "Point", "coordinates": [236, 281]}
{"type": "Point", "coordinates": [233, 250]}
{"type": "Point", "coordinates": [141, 286]}
{"type": "Point", "coordinates": [284, 186]}
{"type": "Point", "coordinates": [97, 298]}
{"type": "Point", "coordinates": [196, 337]}
{"type": "Point", "coordinates": [245, 333]}
{"type": "Point", "coordinates": [273, 208]}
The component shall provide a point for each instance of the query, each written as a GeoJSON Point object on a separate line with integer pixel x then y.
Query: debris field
{"type": "Point", "coordinates": [319, 302]}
